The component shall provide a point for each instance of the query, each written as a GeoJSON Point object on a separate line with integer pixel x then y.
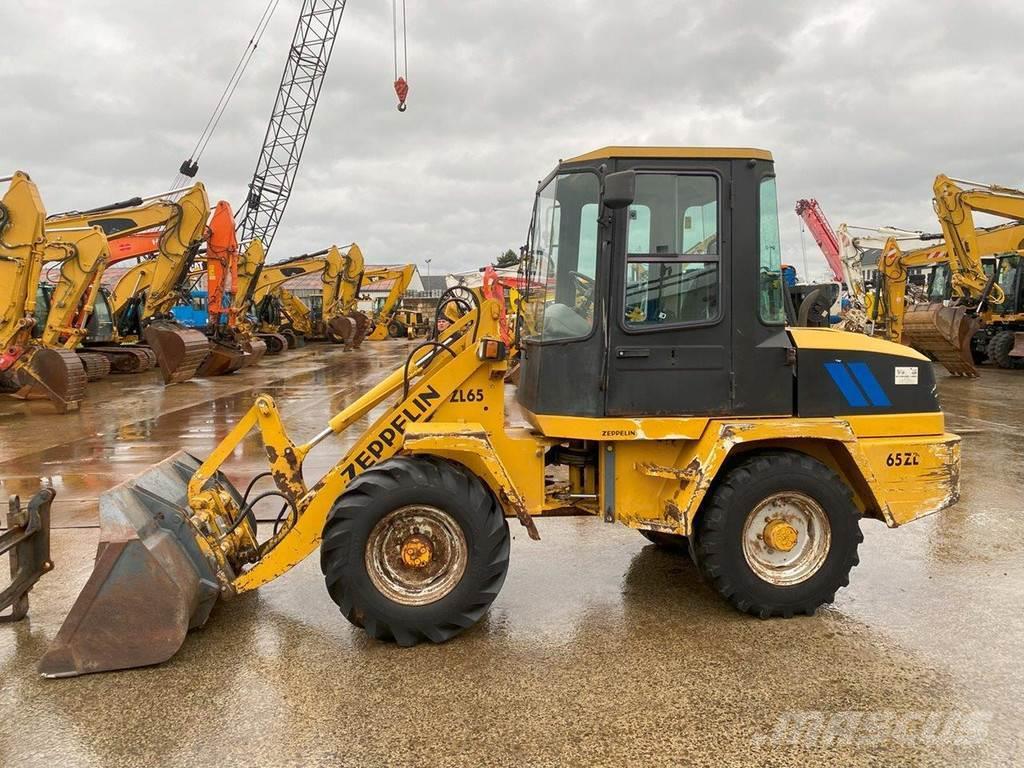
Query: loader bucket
{"type": "Point", "coordinates": [222, 359]}
{"type": "Point", "coordinates": [150, 583]}
{"type": "Point", "coordinates": [53, 374]}
{"type": "Point", "coordinates": [179, 350]}
{"type": "Point", "coordinates": [944, 334]}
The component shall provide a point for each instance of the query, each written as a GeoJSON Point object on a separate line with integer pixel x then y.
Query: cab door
{"type": "Point", "coordinates": [669, 350]}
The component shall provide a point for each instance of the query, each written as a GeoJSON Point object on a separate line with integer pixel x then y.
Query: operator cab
{"type": "Point", "coordinates": [656, 272]}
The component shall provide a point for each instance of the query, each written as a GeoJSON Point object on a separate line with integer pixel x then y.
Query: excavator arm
{"type": "Point", "coordinates": [955, 207]}
{"type": "Point", "coordinates": [40, 362]}
{"type": "Point", "coordinates": [142, 299]}
{"type": "Point", "coordinates": [383, 316]}
{"type": "Point", "coordinates": [942, 331]}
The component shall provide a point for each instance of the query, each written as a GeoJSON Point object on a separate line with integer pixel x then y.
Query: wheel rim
{"type": "Point", "coordinates": [416, 555]}
{"type": "Point", "coordinates": [786, 538]}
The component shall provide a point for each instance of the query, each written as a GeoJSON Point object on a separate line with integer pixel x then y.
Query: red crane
{"type": "Point", "coordinates": [824, 235]}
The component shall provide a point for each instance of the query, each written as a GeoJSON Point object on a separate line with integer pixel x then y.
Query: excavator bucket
{"type": "Point", "coordinates": [944, 334]}
{"type": "Point", "coordinates": [56, 375]}
{"type": "Point", "coordinates": [151, 582]}
{"type": "Point", "coordinates": [179, 350]}
{"type": "Point", "coordinates": [341, 329]}
{"type": "Point", "coordinates": [223, 359]}
{"type": "Point", "coordinates": [1018, 345]}
{"type": "Point", "coordinates": [256, 348]}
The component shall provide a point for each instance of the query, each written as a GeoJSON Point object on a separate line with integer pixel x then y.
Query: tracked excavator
{"type": "Point", "coordinates": [141, 301]}
{"type": "Point", "coordinates": [701, 420]}
{"type": "Point", "coordinates": [387, 321]}
{"type": "Point", "coordinates": [41, 362]}
{"type": "Point", "coordinates": [341, 274]}
{"type": "Point", "coordinates": [232, 345]}
{"type": "Point", "coordinates": [946, 329]}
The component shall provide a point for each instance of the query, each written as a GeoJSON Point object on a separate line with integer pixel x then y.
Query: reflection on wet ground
{"type": "Point", "coordinates": [599, 648]}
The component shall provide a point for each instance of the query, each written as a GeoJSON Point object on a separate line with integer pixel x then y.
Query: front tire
{"type": "Point", "coordinates": [779, 536]}
{"type": "Point", "coordinates": [999, 347]}
{"type": "Point", "coordinates": [415, 549]}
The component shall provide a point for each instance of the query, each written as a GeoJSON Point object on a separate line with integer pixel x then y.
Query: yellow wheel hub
{"type": "Point", "coordinates": [417, 551]}
{"type": "Point", "coordinates": [780, 535]}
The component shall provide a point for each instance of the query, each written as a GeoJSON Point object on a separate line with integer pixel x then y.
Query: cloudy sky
{"type": "Point", "coordinates": [861, 102]}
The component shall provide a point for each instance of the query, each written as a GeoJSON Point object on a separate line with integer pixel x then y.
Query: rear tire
{"type": "Point", "coordinates": [758, 497]}
{"type": "Point", "coordinates": [415, 549]}
{"type": "Point", "coordinates": [395, 329]}
{"type": "Point", "coordinates": [999, 347]}
{"type": "Point", "coordinates": [668, 541]}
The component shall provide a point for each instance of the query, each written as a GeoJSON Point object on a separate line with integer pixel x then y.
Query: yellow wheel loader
{"type": "Point", "coordinates": [659, 389]}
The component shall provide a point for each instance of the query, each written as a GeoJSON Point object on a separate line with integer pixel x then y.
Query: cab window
{"type": "Point", "coordinates": [672, 259]}
{"type": "Point", "coordinates": [771, 306]}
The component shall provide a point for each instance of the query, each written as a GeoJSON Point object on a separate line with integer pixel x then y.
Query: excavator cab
{"type": "Point", "coordinates": [659, 389]}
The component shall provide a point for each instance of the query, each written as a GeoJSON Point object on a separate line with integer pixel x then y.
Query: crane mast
{"type": "Point", "coordinates": [814, 218]}
{"type": "Point", "coordinates": [290, 120]}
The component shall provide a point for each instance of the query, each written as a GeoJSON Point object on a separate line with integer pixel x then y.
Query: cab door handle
{"type": "Point", "coordinates": [632, 352]}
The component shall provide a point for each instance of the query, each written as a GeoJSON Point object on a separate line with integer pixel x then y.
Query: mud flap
{"type": "Point", "coordinates": [179, 350]}
{"type": "Point", "coordinates": [150, 584]}
{"type": "Point", "coordinates": [944, 334]}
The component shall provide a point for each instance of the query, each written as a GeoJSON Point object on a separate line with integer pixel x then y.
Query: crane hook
{"type": "Point", "coordinates": [402, 91]}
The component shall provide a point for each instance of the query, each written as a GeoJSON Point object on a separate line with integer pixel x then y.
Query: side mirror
{"type": "Point", "coordinates": [619, 189]}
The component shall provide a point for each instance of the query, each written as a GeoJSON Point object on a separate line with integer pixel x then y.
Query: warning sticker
{"type": "Point", "coordinates": [906, 374]}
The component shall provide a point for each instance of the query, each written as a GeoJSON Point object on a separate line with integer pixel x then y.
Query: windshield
{"type": "Point", "coordinates": [562, 259]}
{"type": "Point", "coordinates": [1007, 278]}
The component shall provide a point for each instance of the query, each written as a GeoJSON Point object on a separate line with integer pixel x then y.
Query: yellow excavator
{"type": "Point", "coordinates": [41, 362]}
{"type": "Point", "coordinates": [388, 321]}
{"type": "Point", "coordinates": [660, 389]}
{"type": "Point", "coordinates": [340, 273]}
{"type": "Point", "coordinates": [946, 329]}
{"type": "Point", "coordinates": [140, 303]}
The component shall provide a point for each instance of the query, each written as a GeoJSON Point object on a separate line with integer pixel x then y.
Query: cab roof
{"type": "Point", "coordinates": [742, 153]}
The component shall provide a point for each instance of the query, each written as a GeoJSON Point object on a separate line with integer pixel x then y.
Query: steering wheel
{"type": "Point", "coordinates": [585, 287]}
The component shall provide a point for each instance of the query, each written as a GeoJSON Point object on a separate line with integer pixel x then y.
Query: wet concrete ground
{"type": "Point", "coordinates": [599, 649]}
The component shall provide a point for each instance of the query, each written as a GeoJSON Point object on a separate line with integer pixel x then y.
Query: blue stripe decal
{"type": "Point", "coordinates": [846, 385]}
{"type": "Point", "coordinates": [870, 385]}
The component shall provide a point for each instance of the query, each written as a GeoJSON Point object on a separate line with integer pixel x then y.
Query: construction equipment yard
{"type": "Point", "coordinates": [636, 476]}
{"type": "Point", "coordinates": [596, 640]}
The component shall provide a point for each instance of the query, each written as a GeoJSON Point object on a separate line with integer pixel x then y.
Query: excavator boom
{"type": "Point", "coordinates": [142, 299]}
{"type": "Point", "coordinates": [32, 366]}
